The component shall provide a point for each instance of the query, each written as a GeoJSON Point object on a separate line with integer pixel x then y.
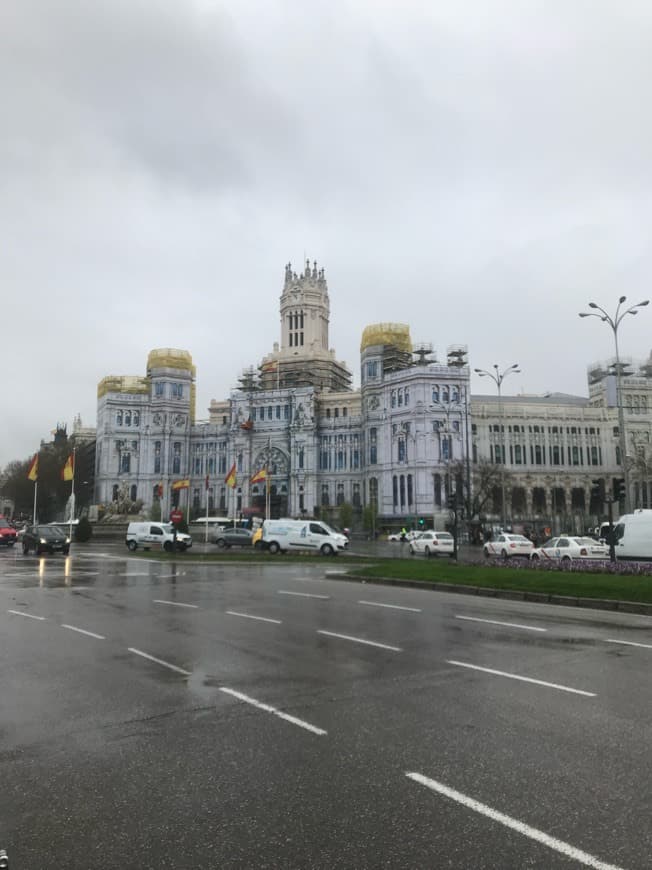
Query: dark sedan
{"type": "Point", "coordinates": [45, 539]}
{"type": "Point", "coordinates": [226, 538]}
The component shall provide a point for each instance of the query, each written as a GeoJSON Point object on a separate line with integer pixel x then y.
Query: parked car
{"type": "Point", "coordinates": [7, 532]}
{"type": "Point", "coordinates": [45, 539]}
{"type": "Point", "coordinates": [231, 537]}
{"type": "Point", "coordinates": [433, 544]}
{"type": "Point", "coordinates": [567, 548]}
{"type": "Point", "coordinates": [507, 546]}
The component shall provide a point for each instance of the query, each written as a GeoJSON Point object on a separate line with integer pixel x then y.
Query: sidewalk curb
{"type": "Point", "coordinates": [508, 594]}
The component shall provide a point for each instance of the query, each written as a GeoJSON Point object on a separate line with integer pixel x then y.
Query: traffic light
{"type": "Point", "coordinates": [621, 491]}
{"type": "Point", "coordinates": [597, 489]}
{"type": "Point", "coordinates": [452, 500]}
{"type": "Point", "coordinates": [422, 522]}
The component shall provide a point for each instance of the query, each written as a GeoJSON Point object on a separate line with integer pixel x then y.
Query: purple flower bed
{"type": "Point", "coordinates": [580, 566]}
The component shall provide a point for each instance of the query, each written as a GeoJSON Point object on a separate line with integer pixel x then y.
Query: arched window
{"type": "Point", "coordinates": [435, 394]}
{"type": "Point", "coordinates": [134, 492]}
{"type": "Point", "coordinates": [114, 497]}
{"type": "Point", "coordinates": [136, 418]}
{"type": "Point", "coordinates": [127, 418]}
{"type": "Point", "coordinates": [118, 418]}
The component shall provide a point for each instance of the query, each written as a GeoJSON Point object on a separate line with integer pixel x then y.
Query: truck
{"type": "Point", "coordinates": [282, 536]}
{"type": "Point", "coordinates": [632, 536]}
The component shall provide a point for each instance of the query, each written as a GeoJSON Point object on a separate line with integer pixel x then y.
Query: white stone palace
{"type": "Point", "coordinates": [392, 445]}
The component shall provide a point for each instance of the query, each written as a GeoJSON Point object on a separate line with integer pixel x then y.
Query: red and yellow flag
{"type": "Point", "coordinates": [32, 471]}
{"type": "Point", "coordinates": [181, 484]}
{"type": "Point", "coordinates": [68, 470]}
{"type": "Point", "coordinates": [229, 480]}
{"type": "Point", "coordinates": [259, 476]}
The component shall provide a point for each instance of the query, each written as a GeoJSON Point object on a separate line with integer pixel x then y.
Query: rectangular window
{"type": "Point", "coordinates": [270, 412]}
{"type": "Point", "coordinates": [159, 389]}
{"type": "Point", "coordinates": [278, 412]}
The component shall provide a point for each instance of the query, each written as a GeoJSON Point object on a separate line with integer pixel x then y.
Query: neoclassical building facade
{"type": "Point", "coordinates": [394, 444]}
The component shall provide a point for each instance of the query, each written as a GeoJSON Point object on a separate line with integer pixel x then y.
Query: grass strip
{"type": "Point", "coordinates": [526, 579]}
{"type": "Point", "coordinates": [249, 556]}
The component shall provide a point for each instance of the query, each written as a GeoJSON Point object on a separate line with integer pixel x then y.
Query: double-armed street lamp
{"type": "Point", "coordinates": [498, 376]}
{"type": "Point", "coordinates": [614, 322]}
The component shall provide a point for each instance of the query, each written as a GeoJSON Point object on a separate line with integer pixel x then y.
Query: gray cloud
{"type": "Point", "coordinates": [478, 170]}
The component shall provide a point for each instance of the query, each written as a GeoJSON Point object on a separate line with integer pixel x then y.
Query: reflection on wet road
{"type": "Point", "coordinates": [262, 715]}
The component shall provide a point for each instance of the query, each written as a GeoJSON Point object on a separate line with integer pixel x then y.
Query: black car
{"type": "Point", "coordinates": [45, 539]}
{"type": "Point", "coordinates": [233, 538]}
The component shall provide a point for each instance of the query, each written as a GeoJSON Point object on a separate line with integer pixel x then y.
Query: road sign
{"type": "Point", "coordinates": [176, 516]}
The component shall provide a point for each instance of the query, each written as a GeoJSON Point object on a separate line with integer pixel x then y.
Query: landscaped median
{"type": "Point", "coordinates": [630, 591]}
{"type": "Point", "coordinates": [607, 591]}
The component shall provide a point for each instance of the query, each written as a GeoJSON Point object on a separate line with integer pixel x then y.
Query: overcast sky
{"type": "Point", "coordinates": [478, 170]}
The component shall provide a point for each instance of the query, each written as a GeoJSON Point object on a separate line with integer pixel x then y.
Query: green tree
{"type": "Point", "coordinates": [370, 518]}
{"type": "Point", "coordinates": [345, 515]}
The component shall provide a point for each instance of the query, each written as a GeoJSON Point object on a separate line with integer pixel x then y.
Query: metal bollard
{"type": "Point", "coordinates": [4, 860]}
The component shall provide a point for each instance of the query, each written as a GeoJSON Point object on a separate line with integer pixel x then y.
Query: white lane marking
{"type": "Point", "coordinates": [145, 655]}
{"type": "Point", "coordinates": [520, 827]}
{"type": "Point", "coordinates": [630, 643]}
{"type": "Point", "coordinates": [269, 709]}
{"type": "Point", "coordinates": [523, 679]}
{"type": "Point", "coordinates": [303, 594]}
{"type": "Point", "coordinates": [359, 640]}
{"type": "Point", "coordinates": [249, 616]}
{"type": "Point", "coordinates": [28, 615]}
{"type": "Point", "coordinates": [175, 603]}
{"type": "Point", "coordinates": [136, 574]}
{"type": "Point", "coordinates": [497, 622]}
{"type": "Point", "coordinates": [83, 631]}
{"type": "Point", "coordinates": [391, 606]}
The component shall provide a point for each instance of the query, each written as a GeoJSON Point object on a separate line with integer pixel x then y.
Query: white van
{"type": "Point", "coordinates": [284, 535]}
{"type": "Point", "coordinates": [633, 536]}
{"type": "Point", "coordinates": [155, 536]}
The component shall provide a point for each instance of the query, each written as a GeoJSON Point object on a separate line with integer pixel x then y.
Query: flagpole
{"type": "Point", "coordinates": [72, 491]}
{"type": "Point", "coordinates": [34, 512]}
{"type": "Point", "coordinates": [206, 514]}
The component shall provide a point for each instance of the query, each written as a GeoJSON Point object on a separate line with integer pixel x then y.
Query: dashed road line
{"type": "Point", "coordinates": [249, 616]}
{"type": "Point", "coordinates": [498, 622]}
{"type": "Point", "coordinates": [145, 655]}
{"type": "Point", "coordinates": [28, 615]}
{"type": "Point", "coordinates": [269, 709]}
{"type": "Point", "coordinates": [303, 594]}
{"type": "Point", "coordinates": [630, 643]}
{"type": "Point", "coordinates": [522, 679]}
{"type": "Point", "coordinates": [360, 640]}
{"type": "Point", "coordinates": [83, 631]}
{"type": "Point", "coordinates": [176, 603]}
{"type": "Point", "coordinates": [520, 827]}
{"type": "Point", "coordinates": [391, 606]}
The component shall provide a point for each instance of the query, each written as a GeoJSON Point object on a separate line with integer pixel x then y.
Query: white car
{"type": "Point", "coordinates": [433, 544]}
{"type": "Point", "coordinates": [568, 548]}
{"type": "Point", "coordinates": [410, 536]}
{"type": "Point", "coordinates": [507, 546]}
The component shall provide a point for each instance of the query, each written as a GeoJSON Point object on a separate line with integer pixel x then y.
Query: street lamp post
{"type": "Point", "coordinates": [614, 322]}
{"type": "Point", "coordinates": [498, 377]}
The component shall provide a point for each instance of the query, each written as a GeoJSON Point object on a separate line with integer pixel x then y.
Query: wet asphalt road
{"type": "Point", "coordinates": [263, 732]}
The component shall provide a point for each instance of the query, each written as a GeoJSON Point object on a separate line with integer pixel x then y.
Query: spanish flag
{"type": "Point", "coordinates": [229, 480]}
{"type": "Point", "coordinates": [68, 470]}
{"type": "Point", "coordinates": [259, 476]}
{"type": "Point", "coordinates": [181, 484]}
{"type": "Point", "coordinates": [32, 471]}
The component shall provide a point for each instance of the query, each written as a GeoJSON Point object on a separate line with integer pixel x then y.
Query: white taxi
{"type": "Point", "coordinates": [506, 546]}
{"type": "Point", "coordinates": [567, 548]}
{"type": "Point", "coordinates": [433, 544]}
